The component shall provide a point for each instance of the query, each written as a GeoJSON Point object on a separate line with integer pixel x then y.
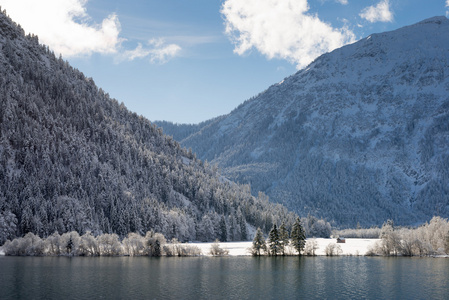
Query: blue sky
{"type": "Point", "coordinates": [187, 61]}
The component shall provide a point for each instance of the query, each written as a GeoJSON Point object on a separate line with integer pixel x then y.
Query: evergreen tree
{"type": "Point", "coordinates": [446, 243]}
{"type": "Point", "coordinates": [243, 229]}
{"type": "Point", "coordinates": [259, 244]}
{"type": "Point", "coordinates": [223, 230]}
{"type": "Point", "coordinates": [157, 249]}
{"type": "Point", "coordinates": [283, 237]}
{"type": "Point", "coordinates": [69, 246]}
{"type": "Point", "coordinates": [274, 243]}
{"type": "Point", "coordinates": [298, 236]}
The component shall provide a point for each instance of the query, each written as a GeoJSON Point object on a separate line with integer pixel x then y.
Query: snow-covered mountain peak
{"type": "Point", "coordinates": [384, 51]}
{"type": "Point", "coordinates": [435, 20]}
{"type": "Point", "coordinates": [361, 134]}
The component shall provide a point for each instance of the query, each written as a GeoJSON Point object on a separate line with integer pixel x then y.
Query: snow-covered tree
{"type": "Point", "coordinates": [223, 230]}
{"type": "Point", "coordinates": [310, 247]}
{"type": "Point", "coordinates": [216, 250]}
{"type": "Point", "coordinates": [274, 243]}
{"type": "Point", "coordinates": [390, 239]}
{"type": "Point", "coordinates": [109, 244]}
{"type": "Point", "coordinates": [298, 236]}
{"type": "Point", "coordinates": [8, 226]}
{"type": "Point", "coordinates": [259, 245]}
{"type": "Point", "coordinates": [284, 238]}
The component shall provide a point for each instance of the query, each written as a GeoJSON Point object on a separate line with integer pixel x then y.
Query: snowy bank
{"type": "Point", "coordinates": [350, 247]}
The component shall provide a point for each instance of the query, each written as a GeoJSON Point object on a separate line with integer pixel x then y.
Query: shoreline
{"type": "Point", "coordinates": [351, 247]}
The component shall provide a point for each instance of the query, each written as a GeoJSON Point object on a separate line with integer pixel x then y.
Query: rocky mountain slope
{"type": "Point", "coordinates": [359, 136]}
{"type": "Point", "coordinates": [71, 158]}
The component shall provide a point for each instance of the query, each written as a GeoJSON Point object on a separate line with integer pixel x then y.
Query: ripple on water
{"type": "Point", "coordinates": [223, 278]}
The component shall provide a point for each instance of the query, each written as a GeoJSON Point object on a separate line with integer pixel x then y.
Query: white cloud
{"type": "Point", "coordinates": [130, 55]}
{"type": "Point", "coordinates": [157, 52]}
{"type": "Point", "coordinates": [379, 13]}
{"type": "Point", "coordinates": [64, 26]}
{"type": "Point", "coordinates": [447, 3]}
{"type": "Point", "coordinates": [161, 53]}
{"type": "Point", "coordinates": [281, 29]}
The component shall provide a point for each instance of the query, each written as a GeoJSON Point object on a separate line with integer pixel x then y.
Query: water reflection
{"type": "Point", "coordinates": [223, 278]}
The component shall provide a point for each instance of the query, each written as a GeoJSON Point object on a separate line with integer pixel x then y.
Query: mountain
{"type": "Point", "coordinates": [72, 158]}
{"type": "Point", "coordinates": [361, 135]}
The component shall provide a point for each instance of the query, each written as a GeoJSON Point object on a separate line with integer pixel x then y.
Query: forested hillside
{"type": "Point", "coordinates": [73, 159]}
{"type": "Point", "coordinates": [361, 135]}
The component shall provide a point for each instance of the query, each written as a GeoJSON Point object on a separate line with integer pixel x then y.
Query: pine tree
{"type": "Point", "coordinates": [223, 230]}
{"type": "Point", "coordinates": [283, 237]}
{"type": "Point", "coordinates": [157, 249]}
{"type": "Point", "coordinates": [274, 243]}
{"type": "Point", "coordinates": [446, 243]}
{"type": "Point", "coordinates": [69, 246]}
{"type": "Point", "coordinates": [298, 236]}
{"type": "Point", "coordinates": [259, 244]}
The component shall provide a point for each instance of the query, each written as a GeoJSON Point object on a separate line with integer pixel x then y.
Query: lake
{"type": "Point", "coordinates": [224, 278]}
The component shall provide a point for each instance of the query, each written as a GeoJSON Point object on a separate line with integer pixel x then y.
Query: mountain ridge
{"type": "Point", "coordinates": [366, 121]}
{"type": "Point", "coordinates": [73, 159]}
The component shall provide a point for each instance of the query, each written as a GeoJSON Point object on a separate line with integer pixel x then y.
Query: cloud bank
{"type": "Point", "coordinates": [64, 26]}
{"type": "Point", "coordinates": [281, 29]}
{"type": "Point", "coordinates": [379, 13]}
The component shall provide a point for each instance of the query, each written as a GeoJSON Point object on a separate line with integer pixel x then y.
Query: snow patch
{"type": "Point", "coordinates": [186, 160]}
{"type": "Point", "coordinates": [257, 152]}
{"type": "Point", "coordinates": [350, 247]}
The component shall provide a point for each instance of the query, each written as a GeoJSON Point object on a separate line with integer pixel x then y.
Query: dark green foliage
{"type": "Point", "coordinates": [69, 246]}
{"type": "Point", "coordinates": [298, 236]}
{"type": "Point", "coordinates": [284, 238]}
{"type": "Point", "coordinates": [223, 230]}
{"type": "Point", "coordinates": [274, 243]}
{"type": "Point", "coordinates": [157, 249]}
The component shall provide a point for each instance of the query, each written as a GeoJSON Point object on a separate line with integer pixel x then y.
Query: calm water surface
{"type": "Point", "coordinates": [223, 278]}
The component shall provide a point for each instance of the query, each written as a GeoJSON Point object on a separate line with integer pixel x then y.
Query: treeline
{"type": "Point", "coordinates": [73, 159]}
{"type": "Point", "coordinates": [431, 238]}
{"type": "Point", "coordinates": [358, 233]}
{"type": "Point", "coordinates": [72, 244]}
{"type": "Point", "coordinates": [280, 241]}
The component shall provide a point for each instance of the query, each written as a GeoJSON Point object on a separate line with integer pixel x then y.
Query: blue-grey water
{"type": "Point", "coordinates": [223, 278]}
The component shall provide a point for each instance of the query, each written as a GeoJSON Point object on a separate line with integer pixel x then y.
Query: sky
{"type": "Point", "coordinates": [188, 61]}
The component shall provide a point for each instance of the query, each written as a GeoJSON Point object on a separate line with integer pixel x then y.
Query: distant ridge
{"type": "Point", "coordinates": [359, 136]}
